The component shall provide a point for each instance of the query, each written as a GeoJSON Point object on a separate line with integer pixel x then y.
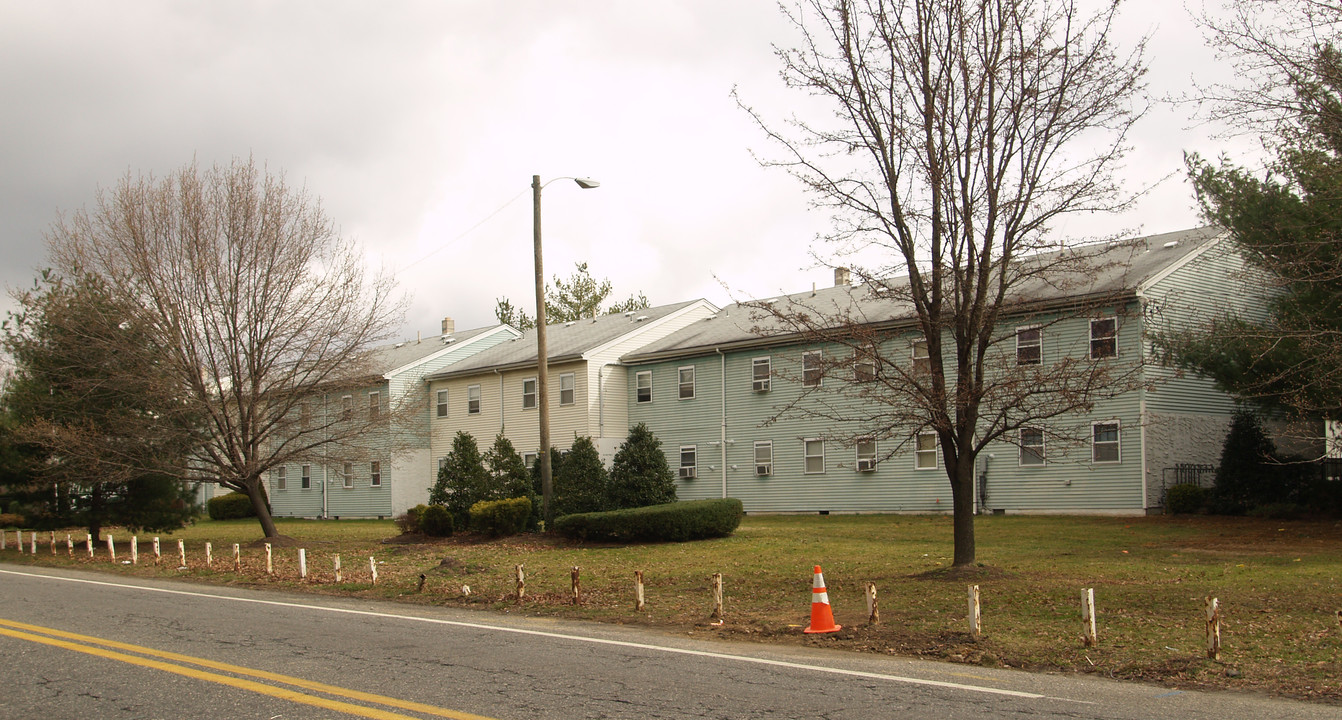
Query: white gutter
{"type": "Point", "coordinates": [496, 372]}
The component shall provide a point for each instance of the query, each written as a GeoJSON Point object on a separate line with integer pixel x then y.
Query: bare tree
{"type": "Point", "coordinates": [961, 130]}
{"type": "Point", "coordinates": [263, 309]}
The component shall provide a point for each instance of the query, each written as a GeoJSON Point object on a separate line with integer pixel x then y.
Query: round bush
{"type": "Point", "coordinates": [435, 520]}
{"type": "Point", "coordinates": [232, 506]}
{"type": "Point", "coordinates": [1185, 499]}
{"type": "Point", "coordinates": [497, 518]}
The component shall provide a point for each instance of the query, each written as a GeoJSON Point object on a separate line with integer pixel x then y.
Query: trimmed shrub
{"type": "Point", "coordinates": [435, 520]}
{"type": "Point", "coordinates": [1185, 499]}
{"type": "Point", "coordinates": [640, 474]}
{"type": "Point", "coordinates": [497, 518]}
{"type": "Point", "coordinates": [232, 506]}
{"type": "Point", "coordinates": [408, 522]}
{"type": "Point", "coordinates": [675, 522]}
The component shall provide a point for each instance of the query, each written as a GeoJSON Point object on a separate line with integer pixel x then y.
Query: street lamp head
{"type": "Point", "coordinates": [586, 183]}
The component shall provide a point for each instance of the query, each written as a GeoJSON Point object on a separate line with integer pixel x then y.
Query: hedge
{"type": "Point", "coordinates": [231, 507]}
{"type": "Point", "coordinates": [435, 520]}
{"type": "Point", "coordinates": [675, 522]}
{"type": "Point", "coordinates": [497, 518]}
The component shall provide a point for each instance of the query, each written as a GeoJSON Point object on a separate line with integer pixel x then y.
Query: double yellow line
{"type": "Point", "coordinates": [144, 657]}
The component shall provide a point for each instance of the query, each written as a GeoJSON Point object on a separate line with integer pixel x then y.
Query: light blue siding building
{"type": "Point", "coordinates": [748, 407]}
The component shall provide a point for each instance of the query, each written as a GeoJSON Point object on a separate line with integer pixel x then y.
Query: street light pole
{"type": "Point", "coordinates": [542, 360]}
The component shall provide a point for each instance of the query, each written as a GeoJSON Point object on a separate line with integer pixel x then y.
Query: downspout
{"type": "Point", "coordinates": [600, 404]}
{"type": "Point", "coordinates": [496, 372]}
{"type": "Point", "coordinates": [1141, 398]}
{"type": "Point", "coordinates": [722, 436]}
{"type": "Point", "coordinates": [326, 418]}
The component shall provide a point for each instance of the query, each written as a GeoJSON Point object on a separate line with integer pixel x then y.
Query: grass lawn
{"type": "Point", "coordinates": [1279, 584]}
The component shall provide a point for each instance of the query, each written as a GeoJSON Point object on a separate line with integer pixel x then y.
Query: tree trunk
{"type": "Point", "coordinates": [95, 512]}
{"type": "Point", "coordinates": [258, 496]}
{"type": "Point", "coordinates": [962, 501]}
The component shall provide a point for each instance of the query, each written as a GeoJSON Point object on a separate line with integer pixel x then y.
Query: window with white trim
{"type": "Point", "coordinates": [347, 475]}
{"type": "Point", "coordinates": [375, 474]}
{"type": "Point", "coordinates": [305, 481]}
{"type": "Point", "coordinates": [566, 389]}
{"type": "Point", "coordinates": [374, 405]}
{"type": "Point", "coordinates": [813, 456]}
{"type": "Point", "coordinates": [643, 386]}
{"type": "Point", "coordinates": [529, 394]}
{"type": "Point", "coordinates": [921, 358]}
{"type": "Point", "coordinates": [346, 407]}
{"type": "Point", "coordinates": [529, 459]}
{"type": "Point", "coordinates": [305, 414]}
{"type": "Point", "coordinates": [686, 378]}
{"type": "Point", "coordinates": [864, 363]}
{"type": "Point", "coordinates": [442, 403]}
{"type": "Point", "coordinates": [811, 371]}
{"type": "Point", "coordinates": [689, 457]}
{"type": "Point", "coordinates": [866, 455]}
{"type": "Point", "coordinates": [442, 463]}
{"type": "Point", "coordinates": [761, 370]}
{"type": "Point", "coordinates": [1029, 345]}
{"type": "Point", "coordinates": [1031, 446]}
{"type": "Point", "coordinates": [1103, 338]}
{"type": "Point", "coordinates": [473, 400]}
{"type": "Point", "coordinates": [925, 451]}
{"type": "Point", "coordinates": [1104, 440]}
{"type": "Point", "coordinates": [764, 457]}
{"type": "Point", "coordinates": [281, 479]}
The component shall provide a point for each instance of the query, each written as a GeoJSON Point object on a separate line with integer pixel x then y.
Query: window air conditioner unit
{"type": "Point", "coordinates": [764, 469]}
{"type": "Point", "coordinates": [866, 465]}
{"type": "Point", "coordinates": [687, 473]}
{"type": "Point", "coordinates": [762, 385]}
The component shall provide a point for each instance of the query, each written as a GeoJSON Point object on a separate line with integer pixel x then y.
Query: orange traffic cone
{"type": "Point", "coordinates": [822, 617]}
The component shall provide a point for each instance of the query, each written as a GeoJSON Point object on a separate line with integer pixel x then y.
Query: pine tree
{"type": "Point", "coordinates": [1246, 476]}
{"type": "Point", "coordinates": [462, 481]}
{"type": "Point", "coordinates": [581, 480]}
{"type": "Point", "coordinates": [640, 474]}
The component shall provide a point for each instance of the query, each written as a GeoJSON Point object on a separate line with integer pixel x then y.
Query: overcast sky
{"type": "Point", "coordinates": [418, 123]}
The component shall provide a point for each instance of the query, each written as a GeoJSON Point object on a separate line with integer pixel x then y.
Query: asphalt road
{"type": "Point", "coordinates": [84, 645]}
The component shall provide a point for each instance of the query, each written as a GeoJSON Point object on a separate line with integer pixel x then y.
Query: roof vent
{"type": "Point", "coordinates": [570, 323]}
{"type": "Point", "coordinates": [629, 313]}
{"type": "Point", "coordinates": [398, 346]}
{"type": "Point", "coordinates": [640, 318]}
{"type": "Point", "coordinates": [448, 339]}
{"type": "Point", "coordinates": [1171, 244]}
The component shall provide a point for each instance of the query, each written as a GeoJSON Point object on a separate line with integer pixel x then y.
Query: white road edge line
{"type": "Point", "coordinates": [577, 638]}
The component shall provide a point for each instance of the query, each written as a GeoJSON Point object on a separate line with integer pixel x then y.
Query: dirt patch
{"type": "Point", "coordinates": [977, 573]}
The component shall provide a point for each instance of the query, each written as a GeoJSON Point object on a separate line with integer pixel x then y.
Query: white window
{"type": "Point", "coordinates": [925, 451]}
{"type": "Point", "coordinates": [1103, 338]}
{"type": "Point", "coordinates": [442, 403]}
{"type": "Point", "coordinates": [866, 455]}
{"type": "Point", "coordinates": [864, 363]}
{"type": "Point", "coordinates": [810, 369]}
{"type": "Point", "coordinates": [280, 478]}
{"type": "Point", "coordinates": [375, 474]}
{"type": "Point", "coordinates": [1031, 446]}
{"type": "Point", "coordinates": [566, 385]}
{"type": "Point", "coordinates": [346, 407]}
{"type": "Point", "coordinates": [473, 400]}
{"type": "Point", "coordinates": [813, 451]}
{"type": "Point", "coordinates": [643, 386]}
{"type": "Point", "coordinates": [686, 382]}
{"type": "Point", "coordinates": [305, 414]}
{"type": "Point", "coordinates": [529, 459]}
{"type": "Point", "coordinates": [1029, 346]}
{"type": "Point", "coordinates": [1104, 442]}
{"type": "Point", "coordinates": [306, 481]}
{"type": "Point", "coordinates": [347, 475]}
{"type": "Point", "coordinates": [374, 406]}
{"type": "Point", "coordinates": [529, 394]}
{"type": "Point", "coordinates": [442, 463]}
{"type": "Point", "coordinates": [764, 457]}
{"type": "Point", "coordinates": [688, 460]}
{"type": "Point", "coordinates": [922, 360]}
{"type": "Point", "coordinates": [760, 372]}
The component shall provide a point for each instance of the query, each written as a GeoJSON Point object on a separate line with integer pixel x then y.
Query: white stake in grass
{"type": "Point", "coordinates": [181, 552]}
{"type": "Point", "coordinates": [1213, 609]}
{"type": "Point", "coordinates": [521, 583]}
{"type": "Point", "coordinates": [134, 549]}
{"type": "Point", "coordinates": [111, 547]}
{"type": "Point", "coordinates": [53, 542]}
{"type": "Point", "coordinates": [158, 552]}
{"type": "Point", "coordinates": [873, 610]}
{"type": "Point", "coordinates": [1088, 637]}
{"type": "Point", "coordinates": [639, 604]}
{"type": "Point", "coordinates": [302, 564]}
{"type": "Point", "coordinates": [975, 615]}
{"type": "Point", "coordinates": [372, 567]}
{"type": "Point", "coordinates": [69, 545]}
{"type": "Point", "coordinates": [88, 542]}
{"type": "Point", "coordinates": [33, 539]}
{"type": "Point", "coordinates": [338, 576]}
{"type": "Point", "coordinates": [270, 564]}
{"type": "Point", "coordinates": [237, 557]}
{"type": "Point", "coordinates": [209, 555]}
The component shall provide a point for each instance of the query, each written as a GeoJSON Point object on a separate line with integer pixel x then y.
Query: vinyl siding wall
{"type": "Point", "coordinates": [1068, 482]}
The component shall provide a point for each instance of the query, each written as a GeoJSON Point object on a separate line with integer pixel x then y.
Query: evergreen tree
{"type": "Point", "coordinates": [1248, 475]}
{"type": "Point", "coordinates": [508, 475]}
{"type": "Point", "coordinates": [580, 297]}
{"type": "Point", "coordinates": [640, 474]}
{"type": "Point", "coordinates": [462, 481]}
{"type": "Point", "coordinates": [581, 481]}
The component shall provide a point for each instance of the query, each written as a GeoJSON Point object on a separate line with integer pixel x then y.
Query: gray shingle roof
{"type": "Point", "coordinates": [389, 357]}
{"type": "Point", "coordinates": [564, 341]}
{"type": "Point", "coordinates": [1100, 270]}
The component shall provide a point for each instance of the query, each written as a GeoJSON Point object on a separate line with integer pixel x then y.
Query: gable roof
{"type": "Point", "coordinates": [387, 360]}
{"type": "Point", "coordinates": [564, 342]}
{"type": "Point", "coordinates": [1104, 270]}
